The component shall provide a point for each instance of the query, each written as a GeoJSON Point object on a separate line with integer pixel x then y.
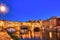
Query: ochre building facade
{"type": "Point", "coordinates": [31, 28]}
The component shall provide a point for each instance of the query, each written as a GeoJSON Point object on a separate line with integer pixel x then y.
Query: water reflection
{"type": "Point", "coordinates": [30, 38]}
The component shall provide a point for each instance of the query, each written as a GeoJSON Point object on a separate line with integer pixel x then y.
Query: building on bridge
{"type": "Point", "coordinates": [31, 28]}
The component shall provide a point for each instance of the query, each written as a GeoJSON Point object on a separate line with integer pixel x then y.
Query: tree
{"type": "Point", "coordinates": [13, 36]}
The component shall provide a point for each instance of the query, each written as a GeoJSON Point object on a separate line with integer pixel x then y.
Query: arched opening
{"type": "Point", "coordinates": [11, 30]}
{"type": "Point", "coordinates": [36, 33]}
{"type": "Point", "coordinates": [24, 30]}
{"type": "Point", "coordinates": [36, 29]}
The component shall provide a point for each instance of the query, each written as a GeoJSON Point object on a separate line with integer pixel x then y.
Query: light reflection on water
{"type": "Point", "coordinates": [30, 39]}
{"type": "Point", "coordinates": [33, 39]}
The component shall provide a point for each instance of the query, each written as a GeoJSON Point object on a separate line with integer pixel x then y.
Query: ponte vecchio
{"type": "Point", "coordinates": [48, 29]}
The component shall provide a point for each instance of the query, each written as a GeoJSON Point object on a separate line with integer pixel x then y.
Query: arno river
{"type": "Point", "coordinates": [44, 35]}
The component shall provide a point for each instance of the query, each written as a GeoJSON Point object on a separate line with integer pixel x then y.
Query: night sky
{"type": "Point", "coordinates": [24, 10]}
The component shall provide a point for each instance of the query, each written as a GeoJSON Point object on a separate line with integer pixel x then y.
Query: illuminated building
{"type": "Point", "coordinates": [32, 28]}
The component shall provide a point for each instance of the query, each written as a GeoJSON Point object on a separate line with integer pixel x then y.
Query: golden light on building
{"type": "Point", "coordinates": [40, 22]}
{"type": "Point", "coordinates": [24, 23]}
{"type": "Point", "coordinates": [30, 26]}
{"type": "Point", "coordinates": [1, 23]}
{"type": "Point", "coordinates": [17, 24]}
{"type": "Point", "coordinates": [10, 24]}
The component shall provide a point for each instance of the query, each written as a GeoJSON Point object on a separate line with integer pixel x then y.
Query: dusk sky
{"type": "Point", "coordinates": [24, 10]}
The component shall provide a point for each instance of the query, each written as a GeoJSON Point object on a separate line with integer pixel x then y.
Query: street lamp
{"type": "Point", "coordinates": [3, 10]}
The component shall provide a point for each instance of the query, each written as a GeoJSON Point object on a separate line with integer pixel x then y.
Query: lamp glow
{"type": "Point", "coordinates": [3, 9]}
